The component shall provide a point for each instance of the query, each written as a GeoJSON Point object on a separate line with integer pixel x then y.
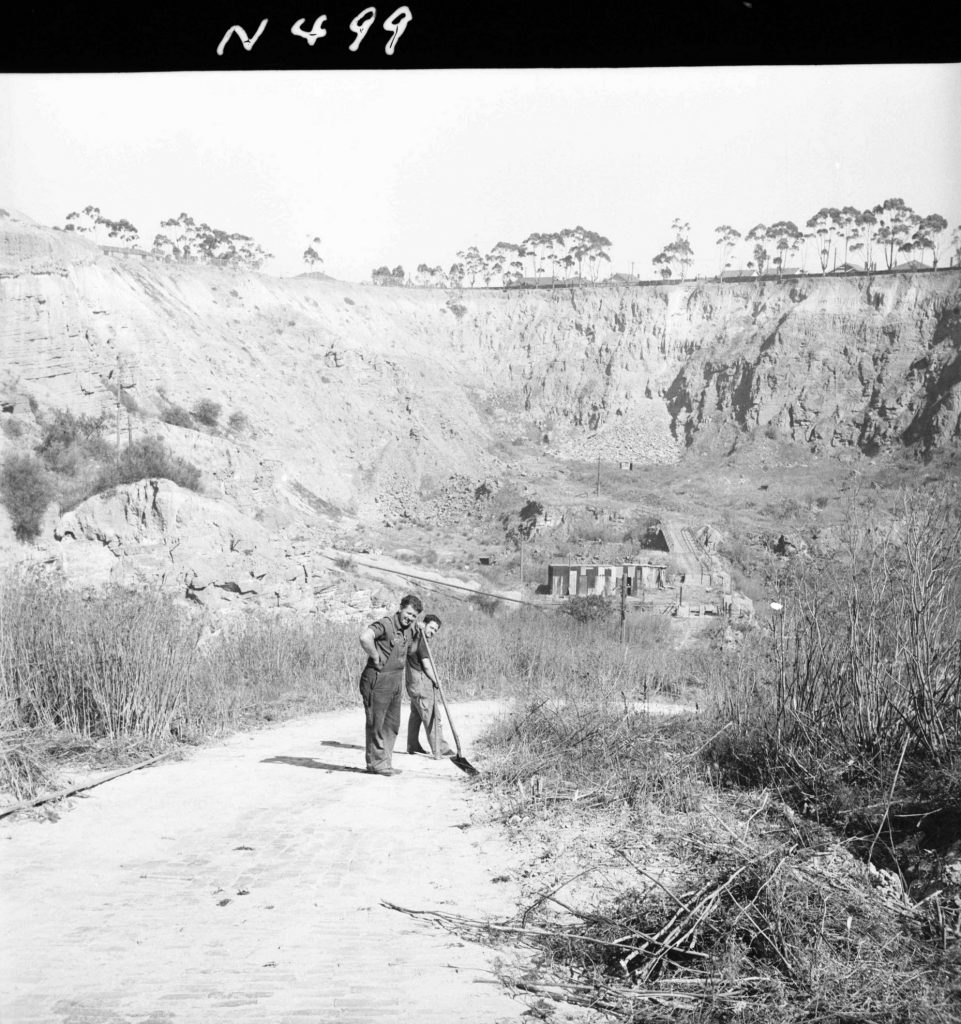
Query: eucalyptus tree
{"type": "Point", "coordinates": [247, 252]}
{"type": "Point", "coordinates": [311, 255]}
{"type": "Point", "coordinates": [473, 263]}
{"type": "Point", "coordinates": [533, 246]}
{"type": "Point", "coordinates": [825, 224]}
{"type": "Point", "coordinates": [662, 262]}
{"type": "Point", "coordinates": [759, 236]}
{"type": "Point", "coordinates": [677, 252]}
{"type": "Point", "coordinates": [85, 221]}
{"type": "Point", "coordinates": [727, 239]}
{"type": "Point", "coordinates": [866, 225]}
{"type": "Point", "coordinates": [122, 230]}
{"type": "Point", "coordinates": [928, 236]}
{"type": "Point", "coordinates": [184, 234]}
{"type": "Point", "coordinates": [895, 223]}
{"type": "Point", "coordinates": [163, 246]}
{"type": "Point", "coordinates": [787, 238]}
{"type": "Point", "coordinates": [849, 227]}
{"type": "Point", "coordinates": [582, 244]}
{"type": "Point", "coordinates": [578, 245]}
{"type": "Point", "coordinates": [595, 257]}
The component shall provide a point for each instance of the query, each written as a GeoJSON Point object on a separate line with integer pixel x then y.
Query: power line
{"type": "Point", "coordinates": [441, 583]}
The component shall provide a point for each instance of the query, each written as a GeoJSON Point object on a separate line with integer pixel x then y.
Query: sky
{"type": "Point", "coordinates": [409, 167]}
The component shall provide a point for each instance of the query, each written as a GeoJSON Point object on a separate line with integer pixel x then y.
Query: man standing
{"type": "Point", "coordinates": [422, 688]}
{"type": "Point", "coordinates": [386, 643]}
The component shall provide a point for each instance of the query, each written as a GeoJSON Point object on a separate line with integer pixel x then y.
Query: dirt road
{"type": "Point", "coordinates": [244, 884]}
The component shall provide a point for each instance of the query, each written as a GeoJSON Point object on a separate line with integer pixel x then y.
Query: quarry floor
{"type": "Point", "coordinates": [245, 882]}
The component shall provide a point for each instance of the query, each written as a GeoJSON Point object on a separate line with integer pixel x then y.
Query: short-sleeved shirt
{"type": "Point", "coordinates": [393, 650]}
{"type": "Point", "coordinates": [418, 653]}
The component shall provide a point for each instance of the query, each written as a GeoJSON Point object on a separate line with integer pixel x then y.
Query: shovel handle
{"type": "Point", "coordinates": [440, 690]}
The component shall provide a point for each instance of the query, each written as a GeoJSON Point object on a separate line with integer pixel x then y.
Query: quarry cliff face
{"type": "Point", "coordinates": [350, 389]}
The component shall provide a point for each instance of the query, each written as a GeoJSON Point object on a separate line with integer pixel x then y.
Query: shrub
{"type": "Point", "coordinates": [13, 429]}
{"type": "Point", "coordinates": [589, 608]}
{"type": "Point", "coordinates": [67, 440]}
{"type": "Point", "coordinates": [65, 429]}
{"type": "Point", "coordinates": [860, 677]}
{"type": "Point", "coordinates": [207, 412]}
{"type": "Point", "coordinates": [26, 490]}
{"type": "Point", "coordinates": [177, 416]}
{"type": "Point", "coordinates": [149, 457]}
{"type": "Point", "coordinates": [238, 421]}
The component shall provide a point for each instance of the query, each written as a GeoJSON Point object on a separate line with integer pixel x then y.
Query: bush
{"type": "Point", "coordinates": [207, 412]}
{"type": "Point", "coordinates": [13, 429]}
{"type": "Point", "coordinates": [589, 608]}
{"type": "Point", "coordinates": [149, 457]}
{"type": "Point", "coordinates": [177, 416]}
{"type": "Point", "coordinates": [68, 440]}
{"type": "Point", "coordinates": [858, 682]}
{"type": "Point", "coordinates": [238, 421]}
{"type": "Point", "coordinates": [26, 490]}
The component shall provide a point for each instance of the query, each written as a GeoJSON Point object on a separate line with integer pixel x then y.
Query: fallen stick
{"type": "Point", "coordinates": [60, 794]}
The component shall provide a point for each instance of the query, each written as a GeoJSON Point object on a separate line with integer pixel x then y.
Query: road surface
{"type": "Point", "coordinates": [244, 884]}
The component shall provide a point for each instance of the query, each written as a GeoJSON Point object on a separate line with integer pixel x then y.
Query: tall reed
{"type": "Point", "coordinates": [862, 670]}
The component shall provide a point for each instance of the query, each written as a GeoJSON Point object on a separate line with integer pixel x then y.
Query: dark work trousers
{"type": "Point", "coordinates": [424, 711]}
{"type": "Point", "coordinates": [381, 694]}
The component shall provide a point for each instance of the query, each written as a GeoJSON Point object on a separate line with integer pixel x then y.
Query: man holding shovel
{"type": "Point", "coordinates": [386, 643]}
{"type": "Point", "coordinates": [422, 689]}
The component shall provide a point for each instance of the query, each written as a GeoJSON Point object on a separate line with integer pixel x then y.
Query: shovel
{"type": "Point", "coordinates": [458, 758]}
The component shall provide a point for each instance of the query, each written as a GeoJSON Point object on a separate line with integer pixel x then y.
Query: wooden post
{"type": "Point", "coordinates": [118, 410]}
{"type": "Point", "coordinates": [623, 601]}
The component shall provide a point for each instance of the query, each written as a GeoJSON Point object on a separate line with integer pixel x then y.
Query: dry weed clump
{"type": "Point", "coordinates": [124, 674]}
{"type": "Point", "coordinates": [528, 651]}
{"type": "Point", "coordinates": [726, 907]}
{"type": "Point", "coordinates": [114, 667]}
{"type": "Point", "coordinates": [257, 669]}
{"type": "Point", "coordinates": [24, 768]}
{"type": "Point", "coordinates": [591, 751]}
{"type": "Point", "coordinates": [854, 699]}
{"type": "Point", "coordinates": [763, 928]}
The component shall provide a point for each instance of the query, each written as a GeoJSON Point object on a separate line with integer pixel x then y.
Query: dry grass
{"type": "Point", "coordinates": [854, 695]}
{"type": "Point", "coordinates": [853, 700]}
{"type": "Point", "coordinates": [127, 674]}
{"type": "Point", "coordinates": [761, 915]}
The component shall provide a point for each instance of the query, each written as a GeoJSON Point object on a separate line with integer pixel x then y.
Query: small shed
{"type": "Point", "coordinates": [581, 579]}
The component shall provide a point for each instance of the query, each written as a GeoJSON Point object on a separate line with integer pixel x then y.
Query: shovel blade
{"type": "Point", "coordinates": [464, 765]}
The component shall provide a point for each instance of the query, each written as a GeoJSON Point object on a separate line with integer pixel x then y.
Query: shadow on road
{"type": "Point", "coordinates": [312, 762]}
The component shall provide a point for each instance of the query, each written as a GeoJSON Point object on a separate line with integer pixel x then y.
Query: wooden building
{"type": "Point", "coordinates": [567, 579]}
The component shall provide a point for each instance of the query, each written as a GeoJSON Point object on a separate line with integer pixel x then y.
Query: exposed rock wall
{"type": "Point", "coordinates": [352, 390]}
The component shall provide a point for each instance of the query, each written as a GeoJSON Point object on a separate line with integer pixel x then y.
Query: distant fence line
{"type": "Point", "coordinates": [554, 285]}
{"type": "Point", "coordinates": [613, 282]}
